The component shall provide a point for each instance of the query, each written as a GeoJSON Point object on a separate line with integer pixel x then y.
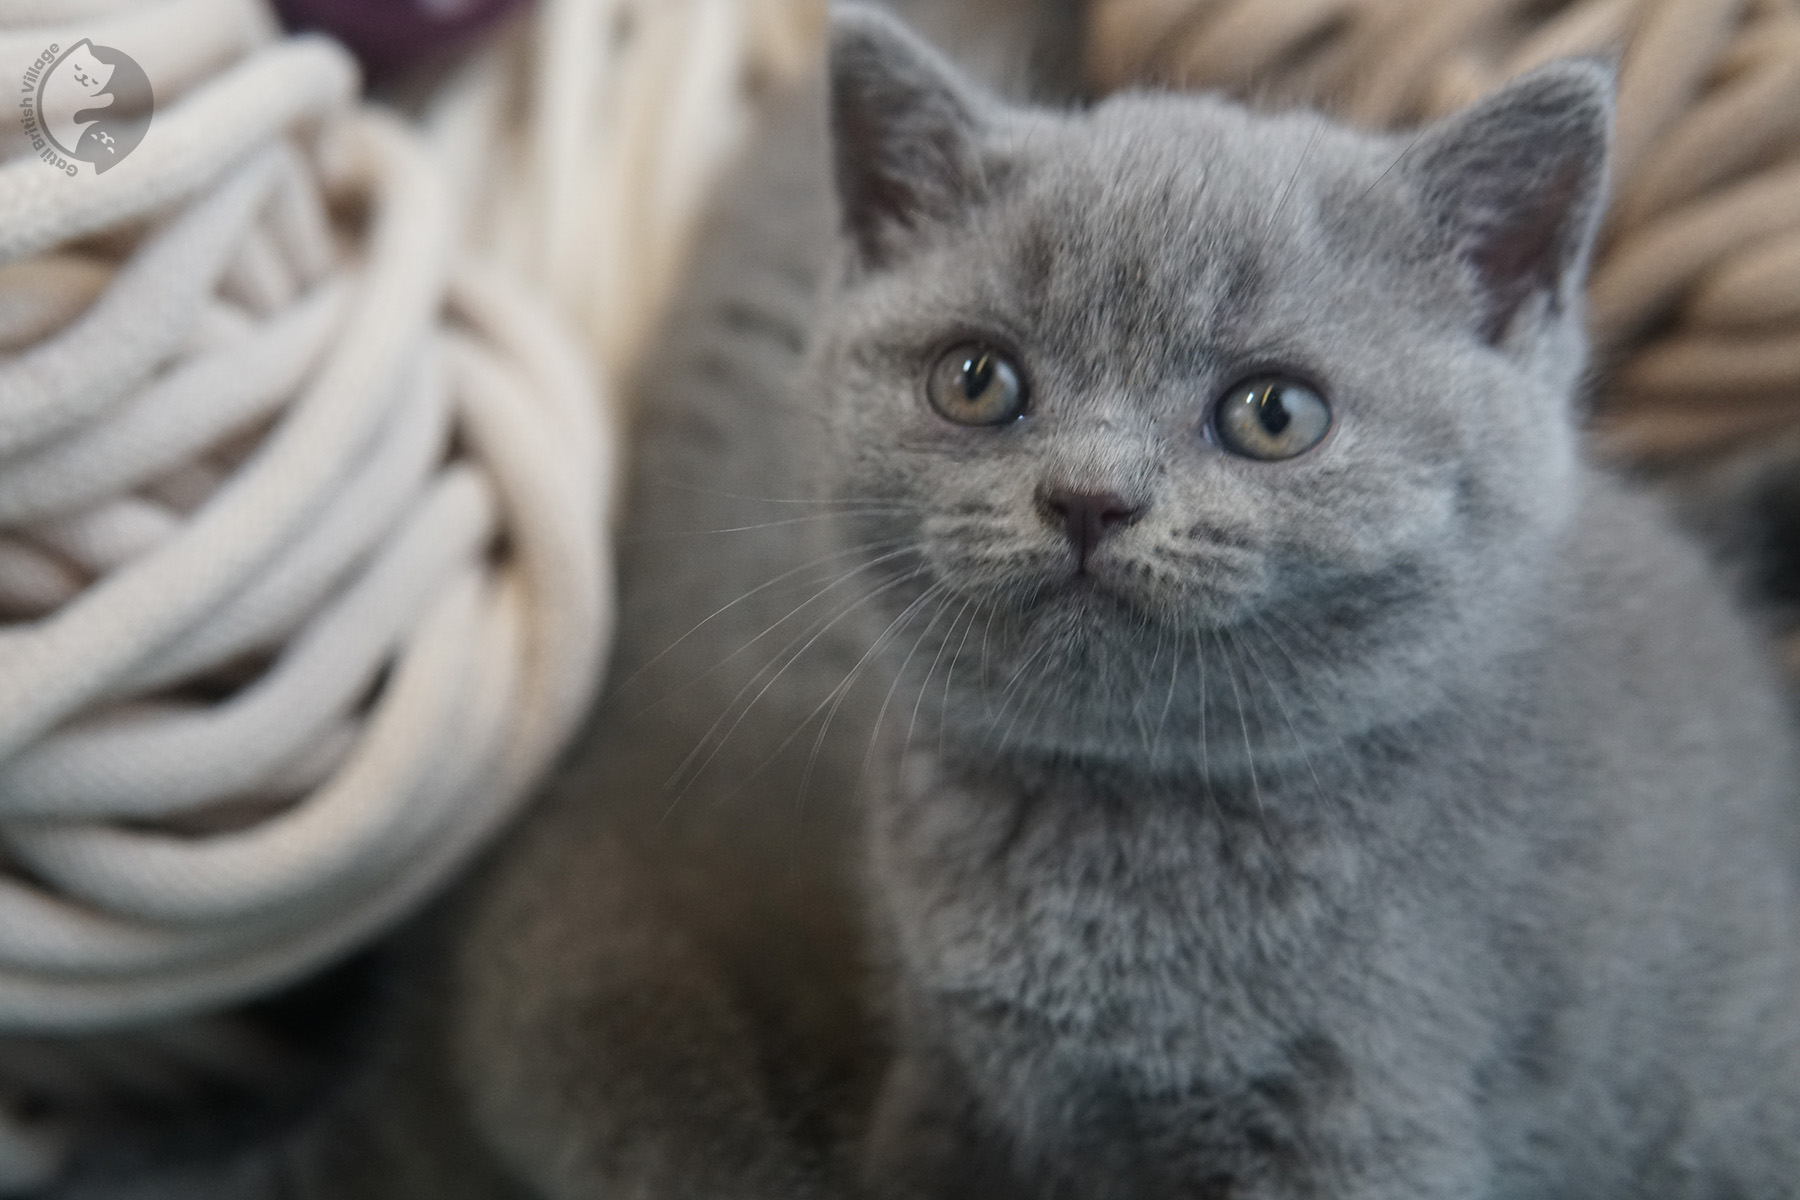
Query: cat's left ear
{"type": "Point", "coordinates": [1518, 182]}
{"type": "Point", "coordinates": [905, 129]}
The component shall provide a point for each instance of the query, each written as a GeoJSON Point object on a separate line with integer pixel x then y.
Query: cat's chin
{"type": "Point", "coordinates": [1085, 588]}
{"type": "Point", "coordinates": [1087, 598]}
{"type": "Point", "coordinates": [1098, 602]}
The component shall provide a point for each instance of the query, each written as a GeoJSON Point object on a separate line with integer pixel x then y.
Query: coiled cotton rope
{"type": "Point", "coordinates": [302, 567]}
{"type": "Point", "coordinates": [585, 143]}
{"type": "Point", "coordinates": [302, 520]}
{"type": "Point", "coordinates": [1695, 298]}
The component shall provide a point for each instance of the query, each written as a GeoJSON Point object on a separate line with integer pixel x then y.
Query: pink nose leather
{"type": "Point", "coordinates": [1087, 517]}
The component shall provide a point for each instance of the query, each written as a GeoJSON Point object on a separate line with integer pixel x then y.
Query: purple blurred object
{"type": "Point", "coordinates": [391, 35]}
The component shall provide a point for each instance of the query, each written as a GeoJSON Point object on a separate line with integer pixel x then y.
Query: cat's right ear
{"type": "Point", "coordinates": [1518, 183]}
{"type": "Point", "coordinates": [905, 132]}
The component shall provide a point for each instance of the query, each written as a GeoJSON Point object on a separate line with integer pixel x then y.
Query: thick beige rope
{"type": "Point", "coordinates": [1695, 301]}
{"type": "Point", "coordinates": [302, 551]}
{"type": "Point", "coordinates": [303, 566]}
{"type": "Point", "coordinates": [584, 143]}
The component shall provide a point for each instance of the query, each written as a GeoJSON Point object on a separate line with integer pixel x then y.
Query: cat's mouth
{"type": "Point", "coordinates": [1084, 593]}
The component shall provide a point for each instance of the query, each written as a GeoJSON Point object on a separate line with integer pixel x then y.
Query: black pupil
{"type": "Point", "coordinates": [978, 376]}
{"type": "Point", "coordinates": [1272, 412]}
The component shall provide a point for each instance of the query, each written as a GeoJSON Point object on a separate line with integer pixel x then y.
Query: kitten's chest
{"type": "Point", "coordinates": [1139, 932]}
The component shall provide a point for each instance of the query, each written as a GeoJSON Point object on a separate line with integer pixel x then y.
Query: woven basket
{"type": "Point", "coordinates": [1695, 296]}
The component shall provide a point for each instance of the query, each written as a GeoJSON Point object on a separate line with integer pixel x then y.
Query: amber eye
{"type": "Point", "coordinates": [1271, 418]}
{"type": "Point", "coordinates": [973, 384]}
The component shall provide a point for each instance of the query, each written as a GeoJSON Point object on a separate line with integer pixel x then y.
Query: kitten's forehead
{"type": "Point", "coordinates": [1151, 214]}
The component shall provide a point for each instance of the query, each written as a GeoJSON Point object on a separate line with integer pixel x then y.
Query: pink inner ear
{"type": "Point", "coordinates": [1524, 256]}
{"type": "Point", "coordinates": [881, 177]}
{"type": "Point", "coordinates": [1518, 181]}
{"type": "Point", "coordinates": [904, 130]}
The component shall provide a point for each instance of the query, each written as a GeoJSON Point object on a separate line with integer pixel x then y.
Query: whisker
{"type": "Point", "coordinates": [719, 742]}
{"type": "Point", "coordinates": [683, 485]}
{"type": "Point", "coordinates": [1027, 702]}
{"type": "Point", "coordinates": [1205, 751]}
{"type": "Point", "coordinates": [924, 687]}
{"type": "Point", "coordinates": [903, 546]}
{"type": "Point", "coordinates": [1311, 638]}
{"type": "Point", "coordinates": [899, 674]}
{"type": "Point", "coordinates": [1398, 159]}
{"type": "Point", "coordinates": [834, 515]}
{"type": "Point", "coordinates": [1287, 189]}
{"type": "Point", "coordinates": [1281, 706]}
{"type": "Point", "coordinates": [841, 692]}
{"type": "Point", "coordinates": [800, 727]}
{"type": "Point", "coordinates": [1244, 724]}
{"type": "Point", "coordinates": [1169, 696]}
{"type": "Point", "coordinates": [1212, 798]}
{"type": "Point", "coordinates": [1006, 692]}
{"type": "Point", "coordinates": [944, 703]}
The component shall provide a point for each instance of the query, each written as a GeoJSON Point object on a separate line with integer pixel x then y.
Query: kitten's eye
{"type": "Point", "coordinates": [974, 384]}
{"type": "Point", "coordinates": [1271, 418]}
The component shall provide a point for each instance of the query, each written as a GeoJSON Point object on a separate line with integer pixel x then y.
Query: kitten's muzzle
{"type": "Point", "coordinates": [1086, 518]}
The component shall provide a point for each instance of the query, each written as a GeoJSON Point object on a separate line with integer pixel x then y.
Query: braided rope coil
{"type": "Point", "coordinates": [272, 707]}
{"type": "Point", "coordinates": [302, 560]}
{"type": "Point", "coordinates": [585, 142]}
{"type": "Point", "coordinates": [1695, 297]}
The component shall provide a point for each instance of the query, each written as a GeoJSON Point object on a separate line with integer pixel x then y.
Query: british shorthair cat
{"type": "Point", "coordinates": [1123, 588]}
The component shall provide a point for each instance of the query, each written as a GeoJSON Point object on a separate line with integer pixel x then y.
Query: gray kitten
{"type": "Point", "coordinates": [1287, 769]}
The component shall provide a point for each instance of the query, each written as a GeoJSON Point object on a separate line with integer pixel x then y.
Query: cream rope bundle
{"type": "Point", "coordinates": [302, 529]}
{"type": "Point", "coordinates": [302, 569]}
{"type": "Point", "coordinates": [1695, 299]}
{"type": "Point", "coordinates": [585, 142]}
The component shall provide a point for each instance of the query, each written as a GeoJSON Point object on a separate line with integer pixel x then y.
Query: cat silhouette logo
{"type": "Point", "coordinates": [87, 103]}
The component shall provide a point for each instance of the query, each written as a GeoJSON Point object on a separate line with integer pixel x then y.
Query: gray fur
{"type": "Point", "coordinates": [1409, 819]}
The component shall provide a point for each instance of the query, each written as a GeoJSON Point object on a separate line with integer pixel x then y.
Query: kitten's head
{"type": "Point", "coordinates": [1180, 403]}
{"type": "Point", "coordinates": [86, 70]}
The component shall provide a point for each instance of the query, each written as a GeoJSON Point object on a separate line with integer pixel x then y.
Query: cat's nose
{"type": "Point", "coordinates": [1086, 517]}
